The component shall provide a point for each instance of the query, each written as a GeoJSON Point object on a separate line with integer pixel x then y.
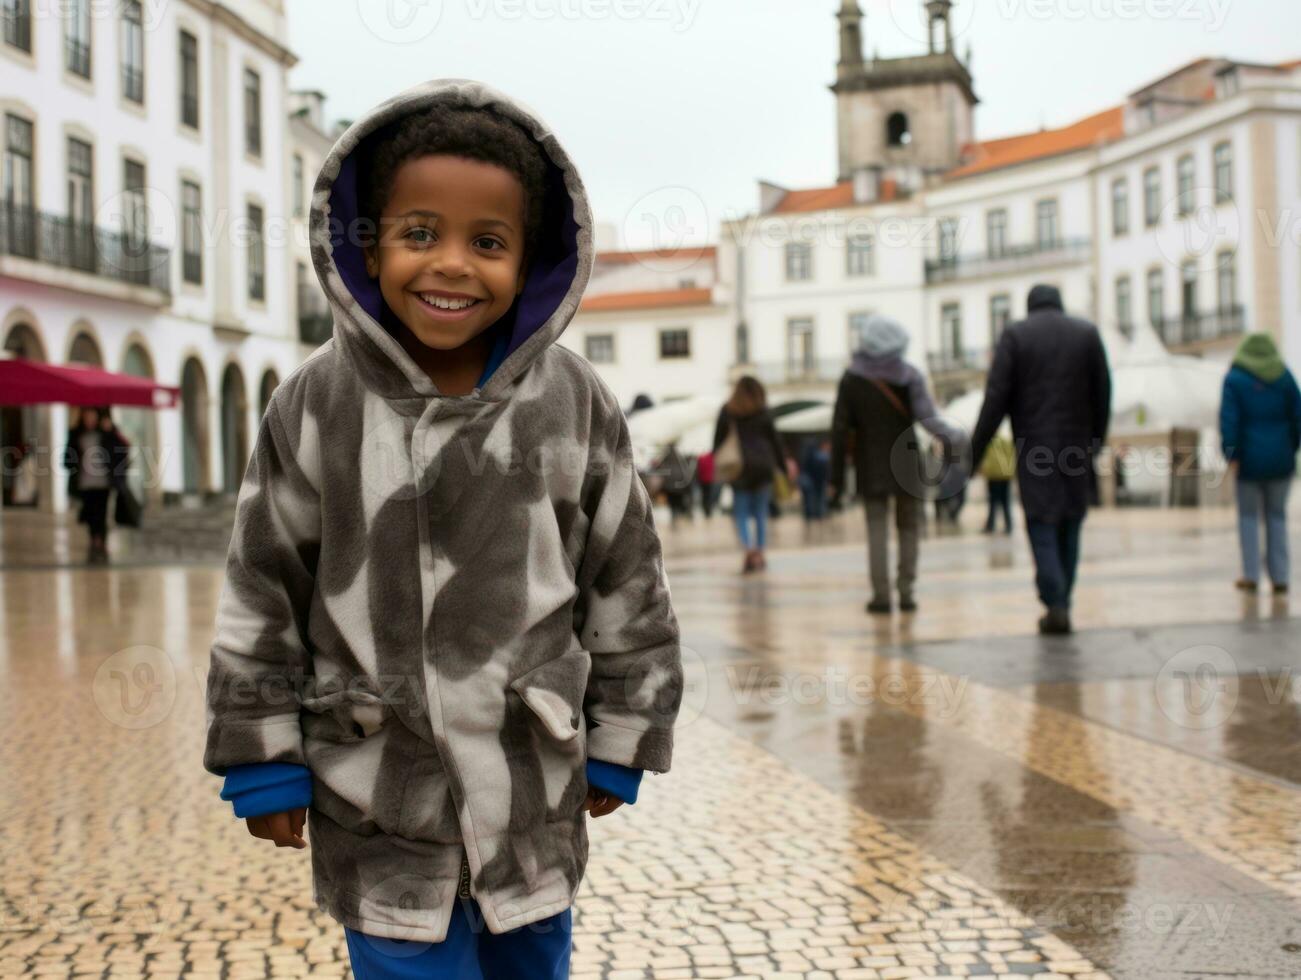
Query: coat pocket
{"type": "Point", "coordinates": [554, 692]}
{"type": "Point", "coordinates": [349, 715]}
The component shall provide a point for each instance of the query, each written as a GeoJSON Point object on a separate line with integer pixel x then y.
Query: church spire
{"type": "Point", "coordinates": [851, 40]}
{"type": "Point", "coordinates": [939, 27]}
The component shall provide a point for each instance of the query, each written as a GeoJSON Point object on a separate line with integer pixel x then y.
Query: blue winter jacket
{"type": "Point", "coordinates": [1260, 424]}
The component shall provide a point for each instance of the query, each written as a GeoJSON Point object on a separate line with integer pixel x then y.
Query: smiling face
{"type": "Point", "coordinates": [450, 259]}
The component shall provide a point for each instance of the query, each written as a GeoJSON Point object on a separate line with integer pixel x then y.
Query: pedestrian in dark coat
{"type": "Point", "coordinates": [1260, 429]}
{"type": "Point", "coordinates": [96, 457]}
{"type": "Point", "coordinates": [1050, 375]}
{"type": "Point", "coordinates": [762, 454]}
{"type": "Point", "coordinates": [880, 398]}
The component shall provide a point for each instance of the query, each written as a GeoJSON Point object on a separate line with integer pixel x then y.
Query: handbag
{"type": "Point", "coordinates": [728, 461]}
{"type": "Point", "coordinates": [127, 511]}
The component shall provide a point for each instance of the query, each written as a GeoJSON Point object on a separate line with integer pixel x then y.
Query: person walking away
{"type": "Point", "coordinates": [879, 399]}
{"type": "Point", "coordinates": [1260, 431]}
{"type": "Point", "coordinates": [678, 479]}
{"type": "Point", "coordinates": [705, 480]}
{"type": "Point", "coordinates": [815, 472]}
{"type": "Point", "coordinates": [95, 457]}
{"type": "Point", "coordinates": [1050, 375]}
{"type": "Point", "coordinates": [746, 414]}
{"type": "Point", "coordinates": [998, 469]}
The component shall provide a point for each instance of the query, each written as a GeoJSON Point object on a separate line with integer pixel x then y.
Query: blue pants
{"type": "Point", "coordinates": [1056, 550]}
{"type": "Point", "coordinates": [1270, 496]}
{"type": "Point", "coordinates": [537, 951]}
{"type": "Point", "coordinates": [747, 505]}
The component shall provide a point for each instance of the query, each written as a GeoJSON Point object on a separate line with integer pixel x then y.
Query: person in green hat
{"type": "Point", "coordinates": [1260, 430]}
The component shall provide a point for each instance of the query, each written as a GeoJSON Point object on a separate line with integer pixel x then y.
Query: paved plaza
{"type": "Point", "coordinates": [940, 795]}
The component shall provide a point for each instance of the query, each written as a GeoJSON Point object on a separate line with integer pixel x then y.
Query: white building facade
{"type": "Point", "coordinates": [145, 203]}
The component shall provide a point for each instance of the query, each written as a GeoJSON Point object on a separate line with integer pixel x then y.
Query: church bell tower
{"type": "Point", "coordinates": [912, 114]}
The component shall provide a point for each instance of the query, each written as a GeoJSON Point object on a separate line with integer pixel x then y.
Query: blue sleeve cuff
{"type": "Point", "coordinates": [259, 788]}
{"type": "Point", "coordinates": [616, 780]}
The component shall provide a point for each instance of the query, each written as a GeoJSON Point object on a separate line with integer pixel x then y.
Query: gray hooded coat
{"type": "Point", "coordinates": [444, 605]}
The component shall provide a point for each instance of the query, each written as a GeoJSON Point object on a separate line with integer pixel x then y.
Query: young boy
{"type": "Point", "coordinates": [445, 632]}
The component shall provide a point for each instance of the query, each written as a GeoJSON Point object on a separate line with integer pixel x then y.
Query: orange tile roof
{"type": "Point", "coordinates": [676, 254]}
{"type": "Point", "coordinates": [1103, 127]}
{"type": "Point", "coordinates": [840, 195]}
{"type": "Point", "coordinates": [652, 299]}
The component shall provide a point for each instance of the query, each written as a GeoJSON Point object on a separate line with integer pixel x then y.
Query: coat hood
{"type": "Point", "coordinates": [558, 271]}
{"type": "Point", "coordinates": [1258, 355]}
{"type": "Point", "coordinates": [1041, 297]}
{"type": "Point", "coordinates": [880, 351]}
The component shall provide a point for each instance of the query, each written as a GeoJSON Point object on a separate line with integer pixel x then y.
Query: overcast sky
{"type": "Point", "coordinates": [673, 109]}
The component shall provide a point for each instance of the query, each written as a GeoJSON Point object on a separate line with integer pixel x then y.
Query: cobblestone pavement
{"type": "Point", "coordinates": [937, 795]}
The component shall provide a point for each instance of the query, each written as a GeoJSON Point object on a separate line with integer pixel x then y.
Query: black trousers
{"type": "Point", "coordinates": [1000, 498]}
{"type": "Point", "coordinates": [95, 505]}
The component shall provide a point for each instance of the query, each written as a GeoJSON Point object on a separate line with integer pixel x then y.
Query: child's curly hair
{"type": "Point", "coordinates": [476, 134]}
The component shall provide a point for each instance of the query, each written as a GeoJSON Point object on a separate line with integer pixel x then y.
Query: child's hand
{"type": "Point", "coordinates": [599, 804]}
{"type": "Point", "coordinates": [286, 828]}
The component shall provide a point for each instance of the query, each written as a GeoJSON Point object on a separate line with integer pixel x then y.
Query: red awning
{"type": "Point", "coordinates": [24, 382]}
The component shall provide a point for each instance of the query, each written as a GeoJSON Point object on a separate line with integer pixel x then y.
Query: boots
{"type": "Point", "coordinates": [1057, 622]}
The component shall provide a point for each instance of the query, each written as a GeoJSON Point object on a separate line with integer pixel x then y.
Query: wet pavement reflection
{"type": "Point", "coordinates": [939, 794]}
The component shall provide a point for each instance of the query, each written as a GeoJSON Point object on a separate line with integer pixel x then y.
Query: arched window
{"type": "Point", "coordinates": [897, 131]}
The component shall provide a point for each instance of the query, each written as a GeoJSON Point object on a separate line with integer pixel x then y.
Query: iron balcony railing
{"type": "Point", "coordinates": [1192, 328]}
{"type": "Point", "coordinates": [133, 83]}
{"type": "Point", "coordinates": [1015, 258]}
{"type": "Point", "coordinates": [803, 371]}
{"type": "Point", "coordinates": [956, 362]}
{"type": "Point", "coordinates": [77, 57]}
{"type": "Point", "coordinates": [315, 322]}
{"type": "Point", "coordinates": [59, 241]}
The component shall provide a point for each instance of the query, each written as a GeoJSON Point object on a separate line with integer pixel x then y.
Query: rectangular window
{"type": "Point", "coordinates": [1000, 314]}
{"type": "Point", "coordinates": [996, 233]}
{"type": "Point", "coordinates": [1151, 196]}
{"type": "Point", "coordinates": [189, 80]}
{"type": "Point", "coordinates": [951, 330]}
{"type": "Point", "coordinates": [298, 185]}
{"type": "Point", "coordinates": [17, 16]}
{"type": "Point", "coordinates": [19, 202]}
{"type": "Point", "coordinates": [859, 257]}
{"type": "Point", "coordinates": [599, 348]}
{"type": "Point", "coordinates": [1156, 299]}
{"type": "Point", "coordinates": [948, 240]}
{"type": "Point", "coordinates": [1223, 173]}
{"type": "Point", "coordinates": [135, 217]}
{"type": "Point", "coordinates": [257, 286]}
{"type": "Point", "coordinates": [801, 359]}
{"type": "Point", "coordinates": [1226, 276]}
{"type": "Point", "coordinates": [76, 38]}
{"type": "Point", "coordinates": [1120, 207]}
{"type": "Point", "coordinates": [1188, 290]}
{"type": "Point", "coordinates": [799, 261]}
{"type": "Point", "coordinates": [1124, 306]}
{"type": "Point", "coordinates": [133, 52]}
{"type": "Point", "coordinates": [675, 343]}
{"type": "Point", "coordinates": [1187, 171]}
{"type": "Point", "coordinates": [1046, 225]}
{"type": "Point", "coordinates": [252, 112]}
{"type": "Point", "coordinates": [81, 205]}
{"type": "Point", "coordinates": [191, 232]}
{"type": "Point", "coordinates": [857, 329]}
